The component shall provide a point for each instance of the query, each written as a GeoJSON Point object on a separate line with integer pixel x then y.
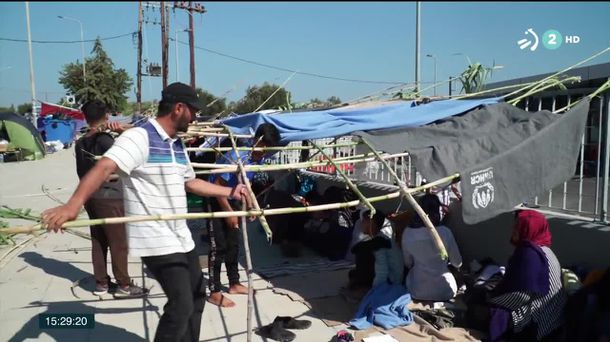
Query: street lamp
{"type": "Point", "coordinates": [433, 57]}
{"type": "Point", "coordinates": [176, 48]}
{"type": "Point", "coordinates": [82, 42]}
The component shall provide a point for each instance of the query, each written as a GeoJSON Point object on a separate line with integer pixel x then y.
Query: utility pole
{"type": "Point", "coordinates": [32, 81]}
{"type": "Point", "coordinates": [417, 45]}
{"type": "Point", "coordinates": [192, 44]}
{"type": "Point", "coordinates": [139, 77]}
{"type": "Point", "coordinates": [191, 8]}
{"type": "Point", "coordinates": [164, 44]}
{"type": "Point", "coordinates": [176, 53]}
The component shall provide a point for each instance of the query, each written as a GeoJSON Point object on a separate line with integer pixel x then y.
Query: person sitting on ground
{"type": "Point", "coordinates": [528, 304]}
{"type": "Point", "coordinates": [341, 223]}
{"type": "Point", "coordinates": [107, 201]}
{"type": "Point", "coordinates": [389, 266]}
{"type": "Point", "coordinates": [317, 225]}
{"type": "Point", "coordinates": [224, 233]}
{"type": "Point", "coordinates": [329, 232]}
{"type": "Point", "coordinates": [374, 263]}
{"type": "Point", "coordinates": [429, 277]}
{"type": "Point", "coordinates": [287, 229]}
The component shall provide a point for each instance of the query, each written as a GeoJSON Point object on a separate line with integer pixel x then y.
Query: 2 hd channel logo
{"type": "Point", "coordinates": [550, 39]}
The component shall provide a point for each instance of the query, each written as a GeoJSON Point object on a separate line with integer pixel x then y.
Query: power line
{"type": "Point", "coordinates": [219, 54]}
{"type": "Point", "coordinates": [290, 70]}
{"type": "Point", "coordinates": [19, 90]}
{"type": "Point", "coordinates": [66, 41]}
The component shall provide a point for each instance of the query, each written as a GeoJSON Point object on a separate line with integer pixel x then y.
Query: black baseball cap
{"type": "Point", "coordinates": [180, 92]}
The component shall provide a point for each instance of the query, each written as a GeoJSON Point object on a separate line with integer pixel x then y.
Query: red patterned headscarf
{"type": "Point", "coordinates": [532, 226]}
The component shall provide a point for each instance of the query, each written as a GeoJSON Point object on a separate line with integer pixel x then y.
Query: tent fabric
{"type": "Point", "coordinates": [504, 155]}
{"type": "Point", "coordinates": [21, 133]}
{"type": "Point", "coordinates": [51, 109]}
{"type": "Point", "coordinates": [341, 121]}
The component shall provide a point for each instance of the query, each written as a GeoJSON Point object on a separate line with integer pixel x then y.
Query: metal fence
{"type": "Point", "coordinates": [586, 193]}
{"type": "Point", "coordinates": [371, 171]}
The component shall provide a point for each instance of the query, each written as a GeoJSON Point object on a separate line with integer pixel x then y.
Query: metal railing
{"type": "Point", "coordinates": [586, 193]}
{"type": "Point", "coordinates": [372, 171]}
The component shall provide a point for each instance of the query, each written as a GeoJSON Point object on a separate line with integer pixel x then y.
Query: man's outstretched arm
{"type": "Point", "coordinates": [207, 189]}
{"type": "Point", "coordinates": [54, 218]}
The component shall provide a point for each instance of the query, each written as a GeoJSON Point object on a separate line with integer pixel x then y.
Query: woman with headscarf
{"type": "Point", "coordinates": [528, 304]}
{"type": "Point", "coordinates": [429, 278]}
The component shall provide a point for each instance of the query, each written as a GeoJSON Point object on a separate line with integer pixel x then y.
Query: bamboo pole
{"type": "Point", "coordinates": [212, 134]}
{"type": "Point", "coordinates": [246, 181]}
{"type": "Point", "coordinates": [464, 96]}
{"type": "Point", "coordinates": [602, 88]}
{"type": "Point", "coordinates": [573, 66]}
{"type": "Point", "coordinates": [278, 167]}
{"type": "Point", "coordinates": [204, 129]}
{"type": "Point", "coordinates": [233, 166]}
{"type": "Point", "coordinates": [404, 191]}
{"type": "Point", "coordinates": [223, 214]}
{"type": "Point", "coordinates": [251, 150]}
{"type": "Point", "coordinates": [270, 148]}
{"type": "Point", "coordinates": [346, 179]}
{"type": "Point", "coordinates": [244, 232]}
{"type": "Point", "coordinates": [204, 123]}
{"type": "Point", "coordinates": [558, 73]}
{"type": "Point", "coordinates": [278, 88]}
{"type": "Point", "coordinates": [276, 181]}
{"type": "Point", "coordinates": [370, 95]}
{"type": "Point", "coordinates": [543, 86]}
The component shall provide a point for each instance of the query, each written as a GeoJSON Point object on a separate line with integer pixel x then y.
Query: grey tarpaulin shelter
{"type": "Point", "coordinates": [503, 154]}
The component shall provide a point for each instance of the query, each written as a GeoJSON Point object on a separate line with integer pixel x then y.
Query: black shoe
{"type": "Point", "coordinates": [291, 323]}
{"type": "Point", "coordinates": [276, 332]}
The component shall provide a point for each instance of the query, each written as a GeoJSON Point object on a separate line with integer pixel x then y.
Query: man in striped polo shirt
{"type": "Point", "coordinates": [156, 173]}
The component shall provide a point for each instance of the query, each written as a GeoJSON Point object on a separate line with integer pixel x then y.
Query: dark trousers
{"type": "Point", "coordinates": [181, 278]}
{"type": "Point", "coordinates": [108, 236]}
{"type": "Point", "coordinates": [224, 247]}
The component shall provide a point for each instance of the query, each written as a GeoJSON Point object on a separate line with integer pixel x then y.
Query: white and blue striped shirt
{"type": "Point", "coordinates": [153, 168]}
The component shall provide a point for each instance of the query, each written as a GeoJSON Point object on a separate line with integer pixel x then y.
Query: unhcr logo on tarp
{"type": "Point", "coordinates": [483, 189]}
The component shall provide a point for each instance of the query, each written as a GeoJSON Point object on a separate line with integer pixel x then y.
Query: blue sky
{"type": "Point", "coordinates": [359, 40]}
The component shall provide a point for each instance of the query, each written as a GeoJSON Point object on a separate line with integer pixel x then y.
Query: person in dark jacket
{"type": "Point", "coordinates": [105, 202]}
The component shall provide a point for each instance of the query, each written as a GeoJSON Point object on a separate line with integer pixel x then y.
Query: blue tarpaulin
{"type": "Point", "coordinates": [342, 121]}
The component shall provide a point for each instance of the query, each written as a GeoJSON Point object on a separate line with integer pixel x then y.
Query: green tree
{"type": "Point", "coordinates": [103, 81]}
{"type": "Point", "coordinates": [256, 95]}
{"type": "Point", "coordinates": [210, 104]}
{"type": "Point", "coordinates": [24, 108]}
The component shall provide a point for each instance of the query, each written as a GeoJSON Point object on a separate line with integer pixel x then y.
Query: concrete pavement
{"type": "Point", "coordinates": [51, 274]}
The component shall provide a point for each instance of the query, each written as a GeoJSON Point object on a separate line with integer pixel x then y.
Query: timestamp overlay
{"type": "Point", "coordinates": [66, 321]}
